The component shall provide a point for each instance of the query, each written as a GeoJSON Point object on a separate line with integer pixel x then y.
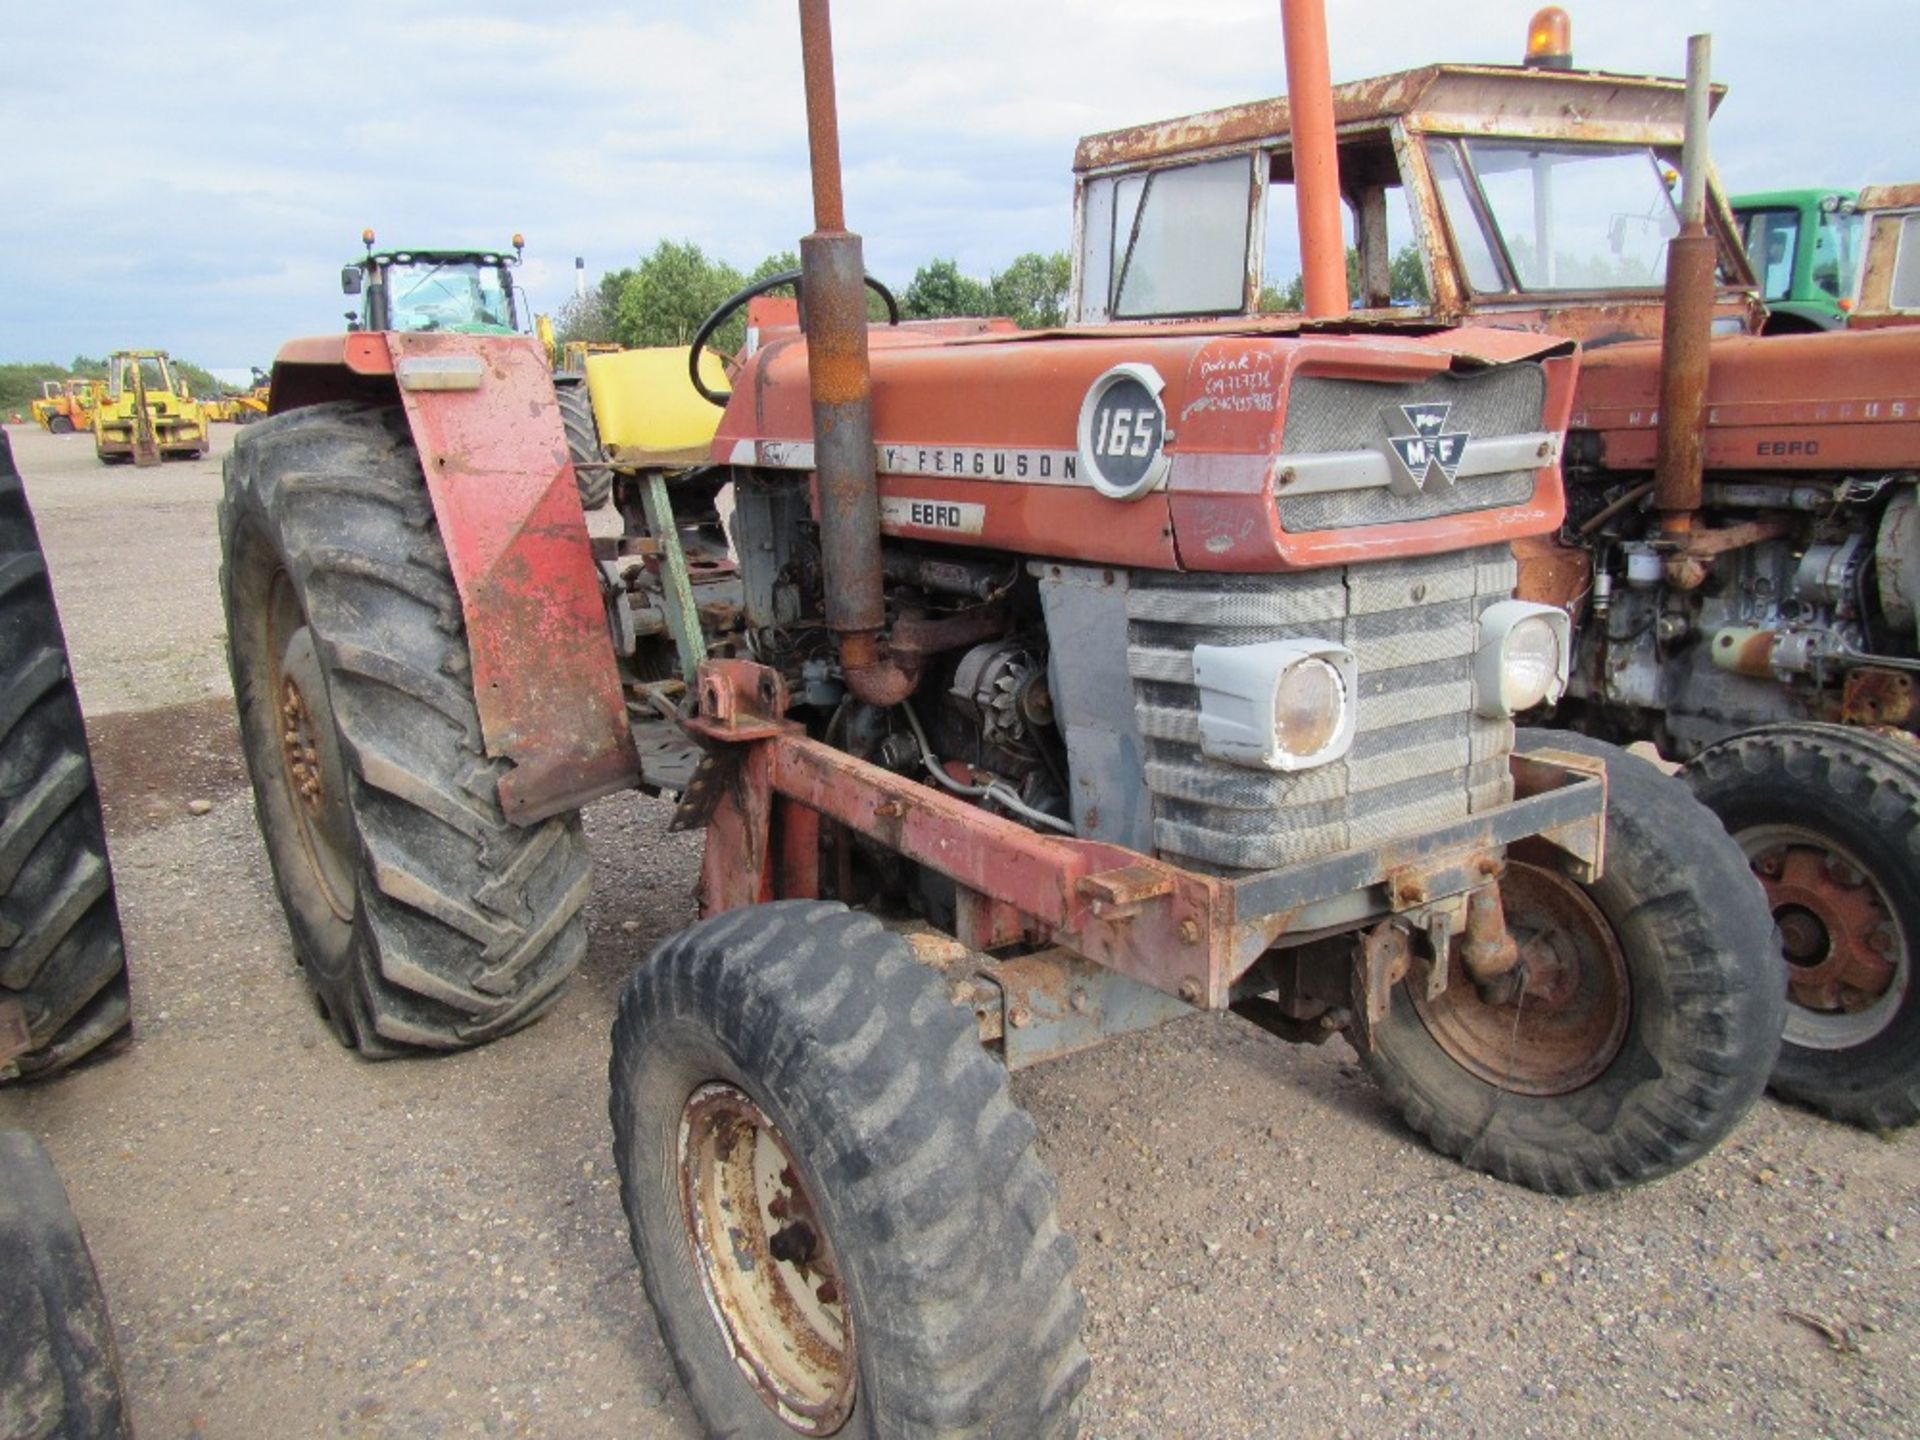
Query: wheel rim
{"type": "Point", "coordinates": [1847, 963]}
{"type": "Point", "coordinates": [770, 1275]}
{"type": "Point", "coordinates": [1567, 1022]}
{"type": "Point", "coordinates": [309, 750]}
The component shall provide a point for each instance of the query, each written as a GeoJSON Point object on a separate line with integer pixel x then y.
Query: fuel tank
{"type": "Point", "coordinates": [1189, 448]}
{"type": "Point", "coordinates": [1838, 400]}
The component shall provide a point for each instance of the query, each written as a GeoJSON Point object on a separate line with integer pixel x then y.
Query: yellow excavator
{"type": "Point", "coordinates": [67, 405]}
{"type": "Point", "coordinates": [147, 413]}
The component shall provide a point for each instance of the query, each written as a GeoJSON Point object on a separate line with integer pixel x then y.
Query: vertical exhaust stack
{"type": "Point", "coordinates": [1686, 330]}
{"type": "Point", "coordinates": [834, 296]}
{"type": "Point", "coordinates": [579, 277]}
{"type": "Point", "coordinates": [1316, 161]}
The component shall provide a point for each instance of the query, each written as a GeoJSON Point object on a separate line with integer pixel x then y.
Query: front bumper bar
{"type": "Point", "coordinates": [768, 787]}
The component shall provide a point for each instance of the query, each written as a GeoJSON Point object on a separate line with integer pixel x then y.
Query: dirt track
{"type": "Point", "coordinates": [295, 1243]}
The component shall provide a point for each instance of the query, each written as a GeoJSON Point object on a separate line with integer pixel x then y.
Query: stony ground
{"type": "Point", "coordinates": [299, 1244]}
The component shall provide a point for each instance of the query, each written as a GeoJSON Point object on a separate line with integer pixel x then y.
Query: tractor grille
{"type": "Point", "coordinates": [1421, 756]}
{"type": "Point", "coordinates": [1331, 415]}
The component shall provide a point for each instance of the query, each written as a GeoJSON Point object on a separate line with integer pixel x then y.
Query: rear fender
{"type": "Point", "coordinates": [495, 456]}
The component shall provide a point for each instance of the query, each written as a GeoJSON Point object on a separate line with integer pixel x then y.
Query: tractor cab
{"type": "Point", "coordinates": [462, 292]}
{"type": "Point", "coordinates": [1805, 248]}
{"type": "Point", "coordinates": [1888, 291]}
{"type": "Point", "coordinates": [1539, 196]}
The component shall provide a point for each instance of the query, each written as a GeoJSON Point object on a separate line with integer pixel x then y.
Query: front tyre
{"type": "Point", "coordinates": [1829, 819]}
{"type": "Point", "coordinates": [839, 1217]}
{"type": "Point", "coordinates": [423, 920]}
{"type": "Point", "coordinates": [1648, 1021]}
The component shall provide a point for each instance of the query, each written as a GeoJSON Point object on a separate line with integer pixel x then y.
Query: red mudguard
{"type": "Point", "coordinates": [495, 457]}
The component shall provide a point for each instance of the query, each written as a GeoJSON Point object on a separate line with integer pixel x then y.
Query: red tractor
{"type": "Point", "coordinates": [1039, 687]}
{"type": "Point", "coordinates": [1739, 554]}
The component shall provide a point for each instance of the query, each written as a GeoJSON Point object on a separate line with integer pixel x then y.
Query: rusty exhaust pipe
{"type": "Point", "coordinates": [1316, 159]}
{"type": "Point", "coordinates": [833, 286]}
{"type": "Point", "coordinates": [1686, 331]}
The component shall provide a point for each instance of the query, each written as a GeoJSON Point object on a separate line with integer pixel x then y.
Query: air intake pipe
{"type": "Point", "coordinates": [1316, 158]}
{"type": "Point", "coordinates": [1686, 332]}
{"type": "Point", "coordinates": [833, 287]}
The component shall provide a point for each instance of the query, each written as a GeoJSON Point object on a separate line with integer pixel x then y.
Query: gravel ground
{"type": "Point", "coordinates": [295, 1243]}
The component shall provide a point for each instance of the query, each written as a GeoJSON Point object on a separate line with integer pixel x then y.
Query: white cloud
{"type": "Point", "coordinates": [226, 169]}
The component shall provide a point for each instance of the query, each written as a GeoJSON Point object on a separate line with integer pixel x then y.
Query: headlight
{"type": "Point", "coordinates": [1522, 657]}
{"type": "Point", "coordinates": [1283, 705]}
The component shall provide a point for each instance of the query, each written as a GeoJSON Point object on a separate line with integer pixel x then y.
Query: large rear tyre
{"type": "Point", "coordinates": [1829, 819]}
{"type": "Point", "coordinates": [1648, 1021]}
{"type": "Point", "coordinates": [591, 472]}
{"type": "Point", "coordinates": [839, 1217]}
{"type": "Point", "coordinates": [63, 970]}
{"type": "Point", "coordinates": [59, 1370]}
{"type": "Point", "coordinates": [422, 918]}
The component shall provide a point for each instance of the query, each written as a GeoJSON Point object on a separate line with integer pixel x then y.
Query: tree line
{"type": "Point", "coordinates": [662, 299]}
{"type": "Point", "coordinates": [20, 384]}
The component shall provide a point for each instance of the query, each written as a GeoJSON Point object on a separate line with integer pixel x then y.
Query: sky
{"type": "Point", "coordinates": [192, 176]}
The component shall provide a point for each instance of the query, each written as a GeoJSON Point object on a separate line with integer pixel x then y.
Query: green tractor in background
{"type": "Point", "coordinates": [464, 292]}
{"type": "Point", "coordinates": [469, 292]}
{"type": "Point", "coordinates": [1805, 246]}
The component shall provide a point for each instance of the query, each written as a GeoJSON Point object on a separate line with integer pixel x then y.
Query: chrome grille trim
{"type": "Point", "coordinates": [1420, 756]}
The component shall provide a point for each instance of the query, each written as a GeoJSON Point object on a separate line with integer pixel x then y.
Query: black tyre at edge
{"type": "Point", "coordinates": [62, 958]}
{"type": "Point", "coordinates": [461, 927]}
{"type": "Point", "coordinates": [591, 472]}
{"type": "Point", "coordinates": [1704, 1024]}
{"type": "Point", "coordinates": [965, 1317]}
{"type": "Point", "coordinates": [59, 1368]}
{"type": "Point", "coordinates": [1860, 791]}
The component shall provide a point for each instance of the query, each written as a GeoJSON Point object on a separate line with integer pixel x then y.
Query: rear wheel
{"type": "Point", "coordinates": [423, 919]}
{"type": "Point", "coordinates": [63, 973]}
{"type": "Point", "coordinates": [591, 472]}
{"type": "Point", "coordinates": [1829, 819]}
{"type": "Point", "coordinates": [1647, 1019]}
{"type": "Point", "coordinates": [839, 1217]}
{"type": "Point", "coordinates": [59, 1369]}
{"type": "Point", "coordinates": [60, 425]}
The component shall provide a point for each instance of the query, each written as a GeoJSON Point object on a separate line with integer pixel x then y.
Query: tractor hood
{"type": "Point", "coordinates": [1189, 448]}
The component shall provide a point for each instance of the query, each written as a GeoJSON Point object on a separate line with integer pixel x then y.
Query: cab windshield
{"type": "Point", "coordinates": [1558, 217]}
{"type": "Point", "coordinates": [449, 295]}
{"type": "Point", "coordinates": [153, 375]}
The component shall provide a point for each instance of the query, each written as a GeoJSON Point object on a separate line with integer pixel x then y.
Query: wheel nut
{"type": "Point", "coordinates": [1189, 932]}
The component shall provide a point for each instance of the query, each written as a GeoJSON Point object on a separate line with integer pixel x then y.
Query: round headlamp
{"type": "Point", "coordinates": [1283, 705]}
{"type": "Point", "coordinates": [1522, 659]}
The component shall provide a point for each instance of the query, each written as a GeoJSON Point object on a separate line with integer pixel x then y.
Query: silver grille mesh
{"type": "Point", "coordinates": [1332, 415]}
{"type": "Point", "coordinates": [1420, 756]}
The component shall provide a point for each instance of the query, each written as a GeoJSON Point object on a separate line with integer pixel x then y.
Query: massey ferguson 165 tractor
{"type": "Point", "coordinates": [1040, 687]}
{"type": "Point", "coordinates": [1742, 539]}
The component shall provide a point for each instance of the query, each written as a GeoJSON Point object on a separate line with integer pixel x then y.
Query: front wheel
{"type": "Point", "coordinates": [1829, 819]}
{"type": "Point", "coordinates": [839, 1217]}
{"type": "Point", "coordinates": [1647, 1021]}
{"type": "Point", "coordinates": [60, 425]}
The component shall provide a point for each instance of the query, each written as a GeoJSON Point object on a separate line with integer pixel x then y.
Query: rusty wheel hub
{"type": "Point", "coordinates": [1846, 956]}
{"type": "Point", "coordinates": [1564, 1024]}
{"type": "Point", "coordinates": [764, 1260]}
{"type": "Point", "coordinates": [310, 752]}
{"type": "Point", "coordinates": [304, 771]}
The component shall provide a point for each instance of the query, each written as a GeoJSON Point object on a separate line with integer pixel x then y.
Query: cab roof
{"type": "Point", "coordinates": [1450, 99]}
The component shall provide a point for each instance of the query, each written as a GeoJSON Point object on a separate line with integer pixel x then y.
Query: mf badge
{"type": "Point", "coordinates": [1432, 449]}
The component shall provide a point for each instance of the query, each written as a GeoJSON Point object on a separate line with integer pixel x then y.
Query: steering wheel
{"type": "Point", "coordinates": [725, 310]}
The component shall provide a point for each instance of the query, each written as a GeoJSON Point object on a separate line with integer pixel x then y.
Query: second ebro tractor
{"type": "Point", "coordinates": [1040, 687]}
